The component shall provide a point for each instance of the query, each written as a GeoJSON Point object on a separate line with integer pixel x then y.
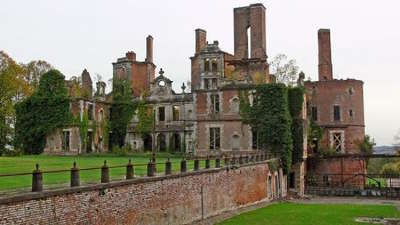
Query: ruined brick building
{"type": "Point", "coordinates": [337, 107]}
{"type": "Point", "coordinates": [95, 107]}
{"type": "Point", "coordinates": [206, 120]}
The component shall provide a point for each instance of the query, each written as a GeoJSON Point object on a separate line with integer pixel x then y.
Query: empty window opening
{"type": "Point", "coordinates": [215, 103]}
{"type": "Point", "coordinates": [214, 138]}
{"type": "Point", "coordinates": [175, 113]}
{"type": "Point", "coordinates": [314, 113]}
{"type": "Point", "coordinates": [90, 112]}
{"type": "Point", "coordinates": [351, 113]}
{"type": "Point", "coordinates": [89, 141]}
{"type": "Point", "coordinates": [161, 114]}
{"type": "Point", "coordinates": [292, 183]}
{"type": "Point", "coordinates": [214, 83]}
{"type": "Point", "coordinates": [336, 113]}
{"type": "Point", "coordinates": [162, 146]}
{"type": "Point", "coordinates": [206, 65]}
{"type": "Point", "coordinates": [65, 140]}
{"type": "Point", "coordinates": [206, 85]}
{"type": "Point", "coordinates": [214, 65]}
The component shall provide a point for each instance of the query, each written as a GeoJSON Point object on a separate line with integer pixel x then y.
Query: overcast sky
{"type": "Point", "coordinates": [73, 35]}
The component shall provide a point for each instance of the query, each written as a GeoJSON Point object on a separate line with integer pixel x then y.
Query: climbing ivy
{"type": "Point", "coordinates": [83, 125]}
{"type": "Point", "coordinates": [270, 117]}
{"type": "Point", "coordinates": [105, 128]}
{"type": "Point", "coordinates": [122, 110]}
{"type": "Point", "coordinates": [146, 118]}
{"type": "Point", "coordinates": [42, 113]}
{"type": "Point", "coordinates": [296, 99]}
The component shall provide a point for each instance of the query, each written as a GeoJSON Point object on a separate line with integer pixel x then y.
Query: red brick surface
{"type": "Point", "coordinates": [174, 200]}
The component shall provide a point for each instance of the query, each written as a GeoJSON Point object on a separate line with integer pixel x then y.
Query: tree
{"type": "Point", "coordinates": [42, 113]}
{"type": "Point", "coordinates": [34, 70]}
{"type": "Point", "coordinates": [284, 70]}
{"type": "Point", "coordinates": [12, 84]}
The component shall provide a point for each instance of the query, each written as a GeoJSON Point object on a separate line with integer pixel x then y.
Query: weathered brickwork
{"type": "Point", "coordinates": [177, 199]}
{"type": "Point", "coordinates": [337, 106]}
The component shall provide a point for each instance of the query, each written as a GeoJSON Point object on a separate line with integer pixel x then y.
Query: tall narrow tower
{"type": "Point", "coordinates": [324, 55]}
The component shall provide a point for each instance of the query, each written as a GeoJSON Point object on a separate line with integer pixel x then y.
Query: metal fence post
{"type": "Point", "coordinates": [150, 169]}
{"type": "Point", "coordinates": [207, 163]}
{"type": "Point", "coordinates": [75, 179]}
{"type": "Point", "coordinates": [37, 179]}
{"type": "Point", "coordinates": [129, 170]}
{"type": "Point", "coordinates": [183, 166]}
{"type": "Point", "coordinates": [217, 163]}
{"type": "Point", "coordinates": [105, 175]}
{"type": "Point", "coordinates": [168, 167]}
{"type": "Point", "coordinates": [196, 165]}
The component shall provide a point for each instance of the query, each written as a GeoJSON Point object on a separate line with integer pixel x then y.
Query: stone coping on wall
{"type": "Point", "coordinates": [26, 196]}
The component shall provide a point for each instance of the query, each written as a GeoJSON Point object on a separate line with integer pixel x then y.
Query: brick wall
{"type": "Point", "coordinates": [174, 199]}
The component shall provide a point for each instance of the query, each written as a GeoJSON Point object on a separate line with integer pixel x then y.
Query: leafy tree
{"type": "Point", "coordinates": [42, 113]}
{"type": "Point", "coordinates": [122, 110]}
{"type": "Point", "coordinates": [34, 70]}
{"type": "Point", "coordinates": [12, 85]}
{"type": "Point", "coordinates": [367, 145]}
{"type": "Point", "coordinates": [284, 70]}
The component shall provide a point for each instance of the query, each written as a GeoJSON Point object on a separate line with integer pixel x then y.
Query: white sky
{"type": "Point", "coordinates": [73, 35]}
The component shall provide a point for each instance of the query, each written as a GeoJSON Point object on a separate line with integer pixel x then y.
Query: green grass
{"type": "Point", "coordinates": [311, 214]}
{"type": "Point", "coordinates": [26, 164]}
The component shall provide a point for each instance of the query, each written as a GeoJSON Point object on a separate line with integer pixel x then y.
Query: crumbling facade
{"type": "Point", "coordinates": [68, 140]}
{"type": "Point", "coordinates": [337, 107]}
{"type": "Point", "coordinates": [206, 120]}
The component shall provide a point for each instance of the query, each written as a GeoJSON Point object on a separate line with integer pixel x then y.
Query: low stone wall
{"type": "Point", "coordinates": [175, 199]}
{"type": "Point", "coordinates": [393, 193]}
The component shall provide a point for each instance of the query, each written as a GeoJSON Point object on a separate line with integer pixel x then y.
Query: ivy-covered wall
{"type": "Point", "coordinates": [275, 115]}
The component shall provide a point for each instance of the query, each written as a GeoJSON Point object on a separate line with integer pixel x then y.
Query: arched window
{"type": "Point", "coordinates": [101, 115]}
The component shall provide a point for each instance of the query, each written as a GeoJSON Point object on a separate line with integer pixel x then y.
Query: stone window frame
{"type": "Point", "coordinates": [69, 130]}
{"type": "Point", "coordinates": [174, 116]}
{"type": "Point", "coordinates": [340, 113]}
{"type": "Point", "coordinates": [317, 113]}
{"type": "Point", "coordinates": [91, 116]}
{"type": "Point", "coordinates": [221, 133]}
{"type": "Point", "coordinates": [209, 102]}
{"type": "Point", "coordinates": [332, 140]}
{"type": "Point", "coordinates": [231, 109]}
{"type": "Point", "coordinates": [159, 114]}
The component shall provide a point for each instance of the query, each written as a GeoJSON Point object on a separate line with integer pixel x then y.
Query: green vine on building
{"type": "Point", "coordinates": [271, 116]}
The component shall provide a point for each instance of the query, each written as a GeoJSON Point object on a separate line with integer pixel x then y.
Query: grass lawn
{"type": "Point", "coordinates": [25, 164]}
{"type": "Point", "coordinates": [311, 214]}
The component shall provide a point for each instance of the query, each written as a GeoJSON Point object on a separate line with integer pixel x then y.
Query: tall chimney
{"type": "Point", "coordinates": [201, 39]}
{"type": "Point", "coordinates": [149, 49]}
{"type": "Point", "coordinates": [324, 55]}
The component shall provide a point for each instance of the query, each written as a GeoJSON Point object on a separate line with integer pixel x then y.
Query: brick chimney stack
{"type": "Point", "coordinates": [149, 49]}
{"type": "Point", "coordinates": [201, 39]}
{"type": "Point", "coordinates": [131, 56]}
{"type": "Point", "coordinates": [324, 55]}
